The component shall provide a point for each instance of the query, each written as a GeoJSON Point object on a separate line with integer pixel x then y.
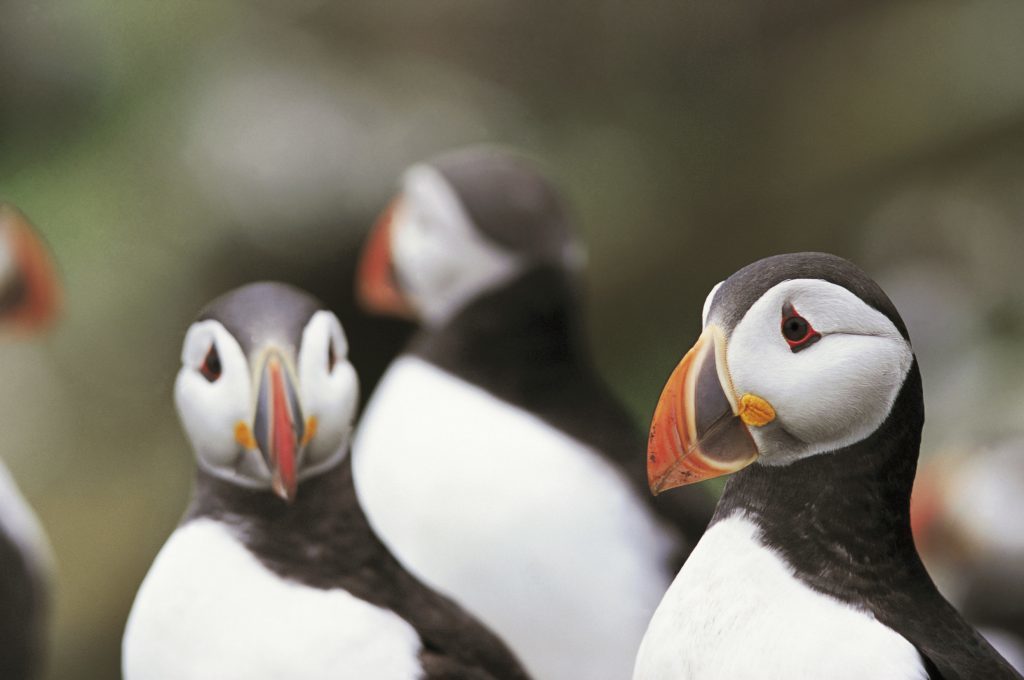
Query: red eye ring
{"type": "Point", "coordinates": [797, 331]}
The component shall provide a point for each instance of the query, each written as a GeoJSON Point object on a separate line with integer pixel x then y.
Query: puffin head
{"type": "Point", "coordinates": [29, 286]}
{"type": "Point", "coordinates": [265, 392]}
{"type": "Point", "coordinates": [800, 355]}
{"type": "Point", "coordinates": [463, 223]}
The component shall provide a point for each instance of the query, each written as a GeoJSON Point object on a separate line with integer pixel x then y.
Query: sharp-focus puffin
{"type": "Point", "coordinates": [29, 294]}
{"type": "Point", "coordinates": [492, 459]}
{"type": "Point", "coordinates": [274, 573]}
{"type": "Point", "coordinates": [803, 383]}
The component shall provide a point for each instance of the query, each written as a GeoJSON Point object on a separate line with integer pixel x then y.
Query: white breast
{"type": "Point", "coordinates": [737, 612]}
{"type": "Point", "coordinates": [209, 609]}
{"type": "Point", "coordinates": [19, 524]}
{"type": "Point", "coordinates": [526, 527]}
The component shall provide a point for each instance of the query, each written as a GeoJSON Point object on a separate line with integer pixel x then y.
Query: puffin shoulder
{"type": "Point", "coordinates": [455, 644]}
{"type": "Point", "coordinates": [950, 647]}
{"type": "Point", "coordinates": [442, 667]}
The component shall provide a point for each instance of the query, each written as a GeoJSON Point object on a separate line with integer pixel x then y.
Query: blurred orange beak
{"type": "Point", "coordinates": [376, 287]}
{"type": "Point", "coordinates": [29, 287]}
{"type": "Point", "coordinates": [927, 507]}
{"type": "Point", "coordinates": [700, 429]}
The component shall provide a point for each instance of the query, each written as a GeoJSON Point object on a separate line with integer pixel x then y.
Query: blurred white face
{"type": "Point", "coordinates": [829, 364]}
{"type": "Point", "coordinates": [216, 395]}
{"type": "Point", "coordinates": [8, 264]}
{"type": "Point", "coordinates": [441, 260]}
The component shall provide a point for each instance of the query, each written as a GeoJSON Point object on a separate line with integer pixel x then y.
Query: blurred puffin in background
{"type": "Point", "coordinates": [274, 571]}
{"type": "Point", "coordinates": [968, 521]}
{"type": "Point", "coordinates": [492, 459]}
{"type": "Point", "coordinates": [803, 384]}
{"type": "Point", "coordinates": [29, 300]}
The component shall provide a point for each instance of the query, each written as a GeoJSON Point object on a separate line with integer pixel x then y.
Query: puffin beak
{"type": "Point", "coordinates": [279, 427]}
{"type": "Point", "coordinates": [376, 286]}
{"type": "Point", "coordinates": [700, 429]}
{"type": "Point", "coordinates": [29, 287]}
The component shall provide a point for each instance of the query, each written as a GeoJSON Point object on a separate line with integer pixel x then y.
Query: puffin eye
{"type": "Point", "coordinates": [211, 368]}
{"type": "Point", "coordinates": [797, 331]}
{"type": "Point", "coordinates": [331, 357]}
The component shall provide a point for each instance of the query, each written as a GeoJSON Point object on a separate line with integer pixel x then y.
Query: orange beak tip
{"type": "Point", "coordinates": [657, 472]}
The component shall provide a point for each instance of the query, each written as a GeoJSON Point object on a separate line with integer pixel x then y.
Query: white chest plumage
{"type": "Point", "coordinates": [209, 609]}
{"type": "Point", "coordinates": [526, 527]}
{"type": "Point", "coordinates": [736, 611]}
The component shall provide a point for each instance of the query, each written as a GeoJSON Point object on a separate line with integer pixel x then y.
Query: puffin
{"type": "Point", "coordinates": [29, 300]}
{"type": "Point", "coordinates": [274, 572]}
{"type": "Point", "coordinates": [492, 459]}
{"type": "Point", "coordinates": [968, 521]}
{"type": "Point", "coordinates": [804, 386]}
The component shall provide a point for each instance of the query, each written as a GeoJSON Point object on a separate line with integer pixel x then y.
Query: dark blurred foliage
{"type": "Point", "coordinates": [170, 151]}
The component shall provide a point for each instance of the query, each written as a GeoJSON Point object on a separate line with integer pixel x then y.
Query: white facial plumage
{"type": "Point", "coordinates": [329, 390]}
{"type": "Point", "coordinates": [8, 265]}
{"type": "Point", "coordinates": [707, 304]}
{"type": "Point", "coordinates": [212, 409]}
{"type": "Point", "coordinates": [209, 410]}
{"type": "Point", "coordinates": [441, 259]}
{"type": "Point", "coordinates": [834, 392]}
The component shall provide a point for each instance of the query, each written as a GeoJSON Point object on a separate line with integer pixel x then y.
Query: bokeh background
{"type": "Point", "coordinates": [171, 150]}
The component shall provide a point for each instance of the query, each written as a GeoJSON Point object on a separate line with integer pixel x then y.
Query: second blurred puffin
{"type": "Point", "coordinates": [492, 459]}
{"type": "Point", "coordinates": [29, 296]}
{"type": "Point", "coordinates": [968, 521]}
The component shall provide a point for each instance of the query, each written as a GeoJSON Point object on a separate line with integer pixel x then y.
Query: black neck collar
{"type": "Point", "coordinates": [511, 334]}
{"type": "Point", "coordinates": [842, 519]}
{"type": "Point", "coordinates": [320, 539]}
{"type": "Point", "coordinates": [524, 344]}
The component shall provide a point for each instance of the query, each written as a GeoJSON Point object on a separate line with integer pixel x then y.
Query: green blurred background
{"type": "Point", "coordinates": [171, 150]}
